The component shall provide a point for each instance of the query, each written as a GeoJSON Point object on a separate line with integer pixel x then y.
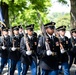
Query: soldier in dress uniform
{"type": "Point", "coordinates": [49, 58]}
{"type": "Point", "coordinates": [64, 48]}
{"type": "Point", "coordinates": [72, 52]}
{"type": "Point", "coordinates": [14, 54]}
{"type": "Point", "coordinates": [28, 55]}
{"type": "Point", "coordinates": [4, 47]}
{"type": "Point", "coordinates": [20, 31]}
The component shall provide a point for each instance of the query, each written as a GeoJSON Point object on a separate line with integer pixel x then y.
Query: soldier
{"type": "Point", "coordinates": [64, 48]}
{"type": "Point", "coordinates": [4, 47]}
{"type": "Point", "coordinates": [20, 31]}
{"type": "Point", "coordinates": [2, 25]}
{"type": "Point", "coordinates": [72, 52]}
{"type": "Point", "coordinates": [14, 54]}
{"type": "Point", "coordinates": [74, 45]}
{"type": "Point", "coordinates": [49, 58]}
{"type": "Point", "coordinates": [57, 32]}
{"type": "Point", "coordinates": [29, 52]}
{"type": "Point", "coordinates": [10, 33]}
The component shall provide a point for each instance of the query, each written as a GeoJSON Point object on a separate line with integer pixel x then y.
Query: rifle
{"type": "Point", "coordinates": [13, 40]}
{"type": "Point", "coordinates": [61, 46]}
{"type": "Point", "coordinates": [2, 25]}
{"type": "Point", "coordinates": [2, 41]}
{"type": "Point", "coordinates": [44, 33]}
{"type": "Point", "coordinates": [27, 43]}
{"type": "Point", "coordinates": [26, 39]}
{"type": "Point", "coordinates": [58, 36]}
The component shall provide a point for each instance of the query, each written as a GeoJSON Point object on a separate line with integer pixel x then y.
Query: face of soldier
{"type": "Point", "coordinates": [16, 32]}
{"type": "Point", "coordinates": [74, 34]}
{"type": "Point", "coordinates": [50, 31]}
{"type": "Point", "coordinates": [5, 33]}
{"type": "Point", "coordinates": [20, 30]}
{"type": "Point", "coordinates": [62, 32]}
{"type": "Point", "coordinates": [57, 33]}
{"type": "Point", "coordinates": [30, 32]}
{"type": "Point", "coordinates": [9, 33]}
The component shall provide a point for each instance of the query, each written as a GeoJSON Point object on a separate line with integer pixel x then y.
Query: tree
{"type": "Point", "coordinates": [72, 12]}
{"type": "Point", "coordinates": [61, 19]}
{"type": "Point", "coordinates": [21, 10]}
{"type": "Point", "coordinates": [64, 20]}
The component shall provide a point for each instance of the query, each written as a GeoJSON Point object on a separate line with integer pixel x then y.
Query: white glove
{"type": "Point", "coordinates": [62, 51]}
{"type": "Point", "coordinates": [48, 52]}
{"type": "Point", "coordinates": [3, 47]}
{"type": "Point", "coordinates": [13, 48]}
{"type": "Point", "coordinates": [29, 52]}
{"type": "Point", "coordinates": [59, 66]}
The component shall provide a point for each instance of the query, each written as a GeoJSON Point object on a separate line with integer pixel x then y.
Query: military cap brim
{"type": "Point", "coordinates": [61, 28]}
{"type": "Point", "coordinates": [15, 28]}
{"type": "Point", "coordinates": [73, 30]}
{"type": "Point", "coordinates": [5, 29]}
{"type": "Point", "coordinates": [31, 26]}
{"type": "Point", "coordinates": [50, 24]}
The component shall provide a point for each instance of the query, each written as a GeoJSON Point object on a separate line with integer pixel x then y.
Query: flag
{"type": "Point", "coordinates": [1, 18]}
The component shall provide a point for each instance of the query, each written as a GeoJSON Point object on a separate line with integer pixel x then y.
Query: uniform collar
{"type": "Point", "coordinates": [62, 36]}
{"type": "Point", "coordinates": [74, 37]}
{"type": "Point", "coordinates": [50, 36]}
{"type": "Point", "coordinates": [29, 36]}
{"type": "Point", "coordinates": [16, 35]}
{"type": "Point", "coordinates": [5, 36]}
{"type": "Point", "coordinates": [20, 32]}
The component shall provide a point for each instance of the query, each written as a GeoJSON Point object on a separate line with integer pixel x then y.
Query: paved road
{"type": "Point", "coordinates": [29, 73]}
{"type": "Point", "coordinates": [72, 70]}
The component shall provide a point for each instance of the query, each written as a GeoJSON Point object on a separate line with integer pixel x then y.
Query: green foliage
{"type": "Point", "coordinates": [40, 4]}
{"type": "Point", "coordinates": [63, 1]}
{"type": "Point", "coordinates": [54, 16]}
{"type": "Point", "coordinates": [21, 11]}
{"type": "Point", "coordinates": [64, 20]}
{"type": "Point", "coordinates": [61, 19]}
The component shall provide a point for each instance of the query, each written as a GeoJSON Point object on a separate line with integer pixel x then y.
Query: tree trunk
{"type": "Point", "coordinates": [73, 13]}
{"type": "Point", "coordinates": [4, 8]}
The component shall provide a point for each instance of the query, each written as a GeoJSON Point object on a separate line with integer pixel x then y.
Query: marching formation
{"type": "Point", "coordinates": [49, 53]}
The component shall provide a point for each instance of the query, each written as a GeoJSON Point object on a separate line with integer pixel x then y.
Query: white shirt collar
{"type": "Point", "coordinates": [29, 36]}
{"type": "Point", "coordinates": [5, 36]}
{"type": "Point", "coordinates": [17, 35]}
{"type": "Point", "coordinates": [61, 36]}
{"type": "Point", "coordinates": [74, 37]}
{"type": "Point", "coordinates": [50, 35]}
